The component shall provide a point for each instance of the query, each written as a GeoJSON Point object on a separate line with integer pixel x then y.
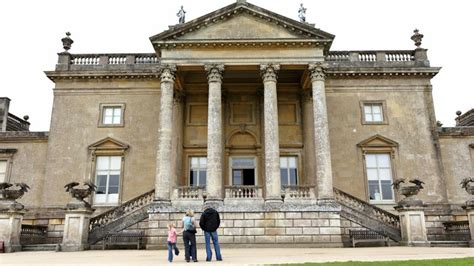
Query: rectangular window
{"type": "Point", "coordinates": [3, 171]}
{"type": "Point", "coordinates": [373, 112]}
{"type": "Point", "coordinates": [288, 171]}
{"type": "Point", "coordinates": [379, 176]}
{"type": "Point", "coordinates": [197, 171]}
{"type": "Point", "coordinates": [108, 170]}
{"type": "Point", "coordinates": [243, 171]}
{"type": "Point", "coordinates": [112, 116]}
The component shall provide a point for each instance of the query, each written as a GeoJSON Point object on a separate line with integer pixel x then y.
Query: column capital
{"type": "Point", "coordinates": [167, 72]}
{"type": "Point", "coordinates": [269, 72]}
{"type": "Point", "coordinates": [214, 72]}
{"type": "Point", "coordinates": [317, 71]}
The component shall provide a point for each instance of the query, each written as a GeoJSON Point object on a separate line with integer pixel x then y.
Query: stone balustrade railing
{"type": "Point", "coordinates": [68, 61]}
{"type": "Point", "coordinates": [122, 210]}
{"type": "Point", "coordinates": [243, 192]}
{"type": "Point", "coordinates": [370, 210]}
{"type": "Point", "coordinates": [33, 234]}
{"type": "Point", "coordinates": [457, 230]}
{"type": "Point", "coordinates": [299, 192]}
{"type": "Point", "coordinates": [374, 56]}
{"type": "Point", "coordinates": [189, 192]}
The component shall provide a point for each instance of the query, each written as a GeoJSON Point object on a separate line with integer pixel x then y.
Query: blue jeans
{"type": "Point", "coordinates": [215, 241]}
{"type": "Point", "coordinates": [171, 247]}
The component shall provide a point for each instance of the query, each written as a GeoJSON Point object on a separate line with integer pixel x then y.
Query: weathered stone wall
{"type": "Point", "coordinates": [407, 104]}
{"type": "Point", "coordinates": [74, 126]}
{"type": "Point", "coordinates": [458, 161]}
{"type": "Point", "coordinates": [317, 229]}
{"type": "Point", "coordinates": [28, 163]}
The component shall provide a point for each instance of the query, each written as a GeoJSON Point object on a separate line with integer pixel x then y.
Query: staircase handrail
{"type": "Point", "coordinates": [369, 209]}
{"type": "Point", "coordinates": [123, 209]}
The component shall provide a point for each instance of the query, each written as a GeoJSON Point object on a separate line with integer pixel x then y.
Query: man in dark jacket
{"type": "Point", "coordinates": [209, 223]}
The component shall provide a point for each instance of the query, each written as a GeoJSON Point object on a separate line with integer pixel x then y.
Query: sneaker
{"type": "Point", "coordinates": [176, 252]}
{"type": "Point", "coordinates": [195, 260]}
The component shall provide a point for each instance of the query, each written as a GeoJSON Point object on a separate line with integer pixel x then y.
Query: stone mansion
{"type": "Point", "coordinates": [253, 113]}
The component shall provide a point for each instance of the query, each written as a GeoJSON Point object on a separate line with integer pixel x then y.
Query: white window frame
{"type": "Point", "coordinates": [3, 172]}
{"type": "Point", "coordinates": [254, 158]}
{"type": "Point", "coordinates": [377, 168]}
{"type": "Point", "coordinates": [371, 104]}
{"type": "Point", "coordinates": [117, 119]}
{"type": "Point", "coordinates": [199, 169]}
{"type": "Point", "coordinates": [108, 198]}
{"type": "Point", "coordinates": [287, 158]}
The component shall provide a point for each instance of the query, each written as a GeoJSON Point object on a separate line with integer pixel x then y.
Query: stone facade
{"type": "Point", "coordinates": [242, 83]}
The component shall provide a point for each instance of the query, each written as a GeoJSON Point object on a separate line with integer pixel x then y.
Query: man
{"type": "Point", "coordinates": [209, 223]}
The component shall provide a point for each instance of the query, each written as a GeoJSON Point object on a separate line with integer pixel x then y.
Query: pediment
{"type": "Point", "coordinates": [109, 144]}
{"type": "Point", "coordinates": [378, 141]}
{"type": "Point", "coordinates": [240, 21]}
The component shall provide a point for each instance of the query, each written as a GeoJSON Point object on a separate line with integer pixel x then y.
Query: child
{"type": "Point", "coordinates": [172, 237]}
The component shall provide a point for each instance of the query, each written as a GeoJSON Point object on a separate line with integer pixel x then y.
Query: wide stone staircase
{"type": "Point", "coordinates": [136, 210]}
{"type": "Point", "coordinates": [368, 215]}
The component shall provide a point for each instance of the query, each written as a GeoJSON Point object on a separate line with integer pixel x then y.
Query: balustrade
{"type": "Point", "coordinates": [371, 56]}
{"type": "Point", "coordinates": [112, 59]}
{"type": "Point", "coordinates": [189, 192]}
{"type": "Point", "coordinates": [299, 192]}
{"type": "Point", "coordinates": [243, 192]}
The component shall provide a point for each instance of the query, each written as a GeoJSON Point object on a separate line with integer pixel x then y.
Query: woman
{"type": "Point", "coordinates": [189, 236]}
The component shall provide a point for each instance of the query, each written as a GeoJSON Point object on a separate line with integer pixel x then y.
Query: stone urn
{"type": "Point", "coordinates": [8, 196]}
{"type": "Point", "coordinates": [79, 194]}
{"type": "Point", "coordinates": [468, 184]}
{"type": "Point", "coordinates": [410, 192]}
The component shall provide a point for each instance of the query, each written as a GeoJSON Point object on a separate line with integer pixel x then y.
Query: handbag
{"type": "Point", "coordinates": [192, 230]}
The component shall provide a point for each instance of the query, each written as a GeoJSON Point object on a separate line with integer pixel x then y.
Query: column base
{"type": "Point", "coordinates": [213, 203]}
{"type": "Point", "coordinates": [471, 244]}
{"type": "Point", "coordinates": [72, 248]}
{"type": "Point", "coordinates": [12, 248]}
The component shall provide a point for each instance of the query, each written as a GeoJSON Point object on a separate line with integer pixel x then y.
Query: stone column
{"type": "Point", "coordinates": [214, 133]}
{"type": "Point", "coordinates": [308, 137]}
{"type": "Point", "coordinates": [10, 229]}
{"type": "Point", "coordinates": [412, 226]}
{"type": "Point", "coordinates": [272, 145]}
{"type": "Point", "coordinates": [76, 228]}
{"type": "Point", "coordinates": [321, 134]}
{"type": "Point", "coordinates": [164, 158]}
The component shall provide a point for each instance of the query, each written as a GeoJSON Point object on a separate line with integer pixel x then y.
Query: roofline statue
{"type": "Point", "coordinates": [181, 15]}
{"type": "Point", "coordinates": [302, 13]}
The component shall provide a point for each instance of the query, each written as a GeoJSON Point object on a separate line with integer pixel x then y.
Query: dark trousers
{"type": "Point", "coordinates": [189, 240]}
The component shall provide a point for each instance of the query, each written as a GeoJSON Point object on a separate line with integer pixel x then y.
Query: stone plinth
{"type": "Point", "coordinates": [10, 229]}
{"type": "Point", "coordinates": [412, 226]}
{"type": "Point", "coordinates": [470, 217]}
{"type": "Point", "coordinates": [76, 228]}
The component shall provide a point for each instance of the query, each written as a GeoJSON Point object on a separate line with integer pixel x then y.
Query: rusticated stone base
{"type": "Point", "coordinates": [306, 226]}
{"type": "Point", "coordinates": [10, 228]}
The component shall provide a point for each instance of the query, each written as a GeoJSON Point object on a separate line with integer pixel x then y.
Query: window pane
{"type": "Point", "coordinates": [237, 177]}
{"type": "Point", "coordinates": [376, 109]}
{"type": "Point", "coordinates": [107, 120]}
{"type": "Point", "coordinates": [103, 162]}
{"type": "Point", "coordinates": [370, 161]}
{"type": "Point", "coordinates": [283, 162]}
{"type": "Point", "coordinates": [385, 174]}
{"type": "Point", "coordinates": [194, 162]}
{"type": "Point", "coordinates": [115, 162]}
{"type": "Point", "coordinates": [3, 167]}
{"type": "Point", "coordinates": [246, 163]}
{"type": "Point", "coordinates": [293, 176]}
{"type": "Point", "coordinates": [113, 190]}
{"type": "Point", "coordinates": [374, 192]}
{"type": "Point", "coordinates": [117, 112]}
{"type": "Point", "coordinates": [2, 177]}
{"type": "Point", "coordinates": [372, 174]}
{"type": "Point", "coordinates": [202, 177]}
{"type": "Point", "coordinates": [101, 184]}
{"type": "Point", "coordinates": [387, 193]}
{"type": "Point", "coordinates": [114, 180]}
{"type": "Point", "coordinates": [377, 118]}
{"type": "Point", "coordinates": [383, 160]}
{"type": "Point", "coordinates": [367, 109]}
{"type": "Point", "coordinates": [202, 162]}
{"type": "Point", "coordinates": [292, 162]}
{"type": "Point", "coordinates": [108, 112]}
{"type": "Point", "coordinates": [284, 176]}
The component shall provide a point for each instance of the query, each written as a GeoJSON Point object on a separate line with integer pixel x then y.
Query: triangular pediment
{"type": "Point", "coordinates": [108, 144]}
{"type": "Point", "coordinates": [242, 21]}
{"type": "Point", "coordinates": [378, 141]}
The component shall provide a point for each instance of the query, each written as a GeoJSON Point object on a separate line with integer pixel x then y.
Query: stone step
{"type": "Point", "coordinates": [449, 244]}
{"type": "Point", "coordinates": [40, 247]}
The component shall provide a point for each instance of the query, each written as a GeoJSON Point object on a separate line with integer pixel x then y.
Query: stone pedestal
{"type": "Point", "coordinates": [470, 218]}
{"type": "Point", "coordinates": [412, 226]}
{"type": "Point", "coordinates": [10, 229]}
{"type": "Point", "coordinates": [76, 228]}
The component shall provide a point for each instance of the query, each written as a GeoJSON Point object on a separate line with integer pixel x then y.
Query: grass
{"type": "Point", "coordinates": [439, 262]}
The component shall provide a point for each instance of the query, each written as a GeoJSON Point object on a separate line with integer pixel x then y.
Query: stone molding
{"type": "Point", "coordinates": [167, 73]}
{"type": "Point", "coordinates": [269, 72]}
{"type": "Point", "coordinates": [214, 72]}
{"type": "Point", "coordinates": [317, 71]}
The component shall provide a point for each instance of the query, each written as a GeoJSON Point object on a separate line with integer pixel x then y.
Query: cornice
{"type": "Point", "coordinates": [74, 75]}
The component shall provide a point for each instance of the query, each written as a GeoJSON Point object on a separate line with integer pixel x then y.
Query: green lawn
{"type": "Point", "coordinates": [444, 262]}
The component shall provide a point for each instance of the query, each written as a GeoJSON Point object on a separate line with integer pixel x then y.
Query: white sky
{"type": "Point", "coordinates": [30, 33]}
